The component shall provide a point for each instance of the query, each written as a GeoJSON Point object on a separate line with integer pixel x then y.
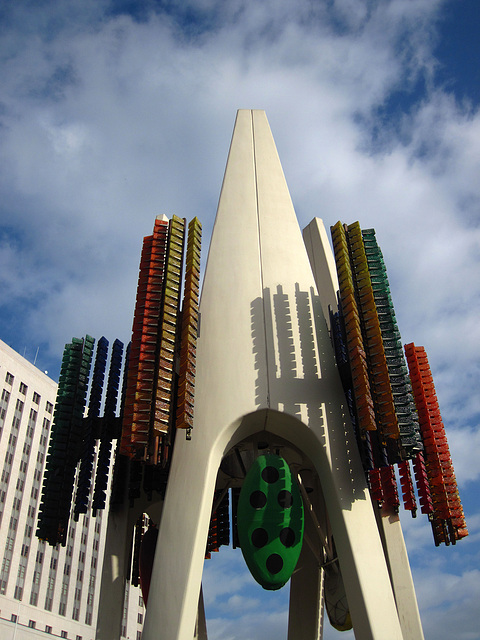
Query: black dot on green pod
{"type": "Point", "coordinates": [259, 538]}
{"type": "Point", "coordinates": [258, 499]}
{"type": "Point", "coordinates": [274, 563]}
{"type": "Point", "coordinates": [285, 499]}
{"type": "Point", "coordinates": [270, 475]}
{"type": "Point", "coordinates": [287, 537]}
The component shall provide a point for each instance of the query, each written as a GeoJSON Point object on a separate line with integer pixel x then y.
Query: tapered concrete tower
{"type": "Point", "coordinates": [267, 380]}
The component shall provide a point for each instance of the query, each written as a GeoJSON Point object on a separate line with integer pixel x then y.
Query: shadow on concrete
{"type": "Point", "coordinates": [296, 372]}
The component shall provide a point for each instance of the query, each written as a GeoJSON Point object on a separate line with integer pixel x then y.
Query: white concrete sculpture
{"type": "Point", "coordinates": [267, 381]}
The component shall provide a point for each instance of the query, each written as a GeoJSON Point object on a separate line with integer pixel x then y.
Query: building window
{"type": "Point", "coordinates": [36, 397]}
{"type": "Point", "coordinates": [34, 598]}
{"type": "Point", "coordinates": [19, 405]}
{"type": "Point", "coordinates": [13, 618]}
{"type": "Point", "coordinates": [63, 634]}
{"type": "Point", "coordinates": [48, 629]}
{"type": "Point", "coordinates": [9, 378]}
{"type": "Point", "coordinates": [18, 593]}
{"type": "Point", "coordinates": [140, 618]}
{"type": "Point", "coordinates": [23, 388]}
{"type": "Point", "coordinates": [5, 395]}
{"type": "Point", "coordinates": [62, 608]}
{"type": "Point", "coordinates": [49, 407]}
{"type": "Point", "coordinates": [31, 624]}
{"type": "Point", "coordinates": [79, 638]}
{"type": "Point", "coordinates": [139, 635]}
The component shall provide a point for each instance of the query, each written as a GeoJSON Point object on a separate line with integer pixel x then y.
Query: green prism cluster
{"type": "Point", "coordinates": [65, 442]}
{"type": "Point", "coordinates": [410, 438]}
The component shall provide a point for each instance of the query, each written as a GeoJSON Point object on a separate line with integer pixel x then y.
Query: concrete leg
{"type": "Point", "coordinates": [112, 591]}
{"type": "Point", "coordinates": [401, 576]}
{"type": "Point", "coordinates": [306, 598]}
{"type": "Point", "coordinates": [178, 565]}
{"type": "Point", "coordinates": [201, 626]}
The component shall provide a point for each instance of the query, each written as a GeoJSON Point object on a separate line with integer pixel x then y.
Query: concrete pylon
{"type": "Point", "coordinates": [267, 379]}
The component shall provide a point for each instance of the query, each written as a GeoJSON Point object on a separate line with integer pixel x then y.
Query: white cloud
{"type": "Point", "coordinates": [236, 606]}
{"type": "Point", "coordinates": [464, 445]}
{"type": "Point", "coordinates": [215, 586]}
{"type": "Point", "coordinates": [449, 603]}
{"type": "Point", "coordinates": [266, 625]}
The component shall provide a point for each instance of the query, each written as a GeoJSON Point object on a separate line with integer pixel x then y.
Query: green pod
{"type": "Point", "coordinates": [270, 521]}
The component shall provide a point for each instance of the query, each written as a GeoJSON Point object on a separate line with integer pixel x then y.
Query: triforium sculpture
{"type": "Point", "coordinates": [305, 437]}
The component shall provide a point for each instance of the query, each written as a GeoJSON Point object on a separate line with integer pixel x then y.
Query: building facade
{"type": "Point", "coordinates": [44, 591]}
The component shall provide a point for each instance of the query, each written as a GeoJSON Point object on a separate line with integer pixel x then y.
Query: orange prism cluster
{"type": "Point", "coordinates": [142, 359]}
{"type": "Point", "coordinates": [379, 379]}
{"type": "Point", "coordinates": [167, 346]}
{"type": "Point", "coordinates": [159, 347]}
{"type": "Point", "coordinates": [351, 316]}
{"type": "Point", "coordinates": [186, 382]}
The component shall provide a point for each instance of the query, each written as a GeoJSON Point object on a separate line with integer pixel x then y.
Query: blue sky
{"type": "Point", "coordinates": [114, 112]}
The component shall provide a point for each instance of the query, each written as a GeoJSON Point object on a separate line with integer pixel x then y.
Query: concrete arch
{"type": "Point", "coordinates": [178, 565]}
{"type": "Point", "coordinates": [325, 514]}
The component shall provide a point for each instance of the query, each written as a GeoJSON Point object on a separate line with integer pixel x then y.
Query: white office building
{"type": "Point", "coordinates": [44, 591]}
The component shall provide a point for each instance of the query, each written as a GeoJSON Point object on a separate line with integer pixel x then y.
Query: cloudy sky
{"type": "Point", "coordinates": [112, 112]}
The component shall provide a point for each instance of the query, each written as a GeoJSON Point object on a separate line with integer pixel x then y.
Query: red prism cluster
{"type": "Point", "coordinates": [448, 521]}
